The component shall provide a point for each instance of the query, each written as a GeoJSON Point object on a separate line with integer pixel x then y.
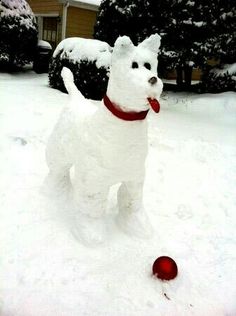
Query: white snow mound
{"type": "Point", "coordinates": [76, 49]}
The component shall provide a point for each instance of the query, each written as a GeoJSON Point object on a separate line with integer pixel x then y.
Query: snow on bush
{"type": "Point", "coordinates": [220, 79]}
{"type": "Point", "coordinates": [88, 59]}
{"type": "Point", "coordinates": [44, 44]}
{"type": "Point", "coordinates": [18, 33]}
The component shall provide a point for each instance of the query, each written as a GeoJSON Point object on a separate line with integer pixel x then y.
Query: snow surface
{"type": "Point", "coordinates": [189, 195]}
{"type": "Point", "coordinates": [77, 48]}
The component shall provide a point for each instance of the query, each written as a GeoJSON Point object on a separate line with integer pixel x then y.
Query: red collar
{"type": "Point", "coordinates": [126, 116]}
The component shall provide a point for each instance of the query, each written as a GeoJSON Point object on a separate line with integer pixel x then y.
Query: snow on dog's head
{"type": "Point", "coordinates": [133, 79]}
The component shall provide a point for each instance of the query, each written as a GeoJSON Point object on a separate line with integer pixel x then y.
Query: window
{"type": "Point", "coordinates": [48, 29]}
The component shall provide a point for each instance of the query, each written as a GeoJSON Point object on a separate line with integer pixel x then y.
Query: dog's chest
{"type": "Point", "coordinates": [119, 147]}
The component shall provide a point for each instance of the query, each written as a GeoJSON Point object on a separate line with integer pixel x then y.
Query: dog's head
{"type": "Point", "coordinates": [133, 77]}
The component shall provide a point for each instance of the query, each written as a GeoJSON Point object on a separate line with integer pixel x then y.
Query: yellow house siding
{"type": "Point", "coordinates": [46, 9]}
{"type": "Point", "coordinates": [80, 22]}
{"type": "Point", "coordinates": [45, 6]}
{"type": "Point", "coordinates": [196, 74]}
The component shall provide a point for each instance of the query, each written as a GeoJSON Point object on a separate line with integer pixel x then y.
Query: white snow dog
{"type": "Point", "coordinates": [107, 144]}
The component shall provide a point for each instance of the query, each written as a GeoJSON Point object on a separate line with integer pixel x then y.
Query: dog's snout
{"type": "Point", "coordinates": [152, 80]}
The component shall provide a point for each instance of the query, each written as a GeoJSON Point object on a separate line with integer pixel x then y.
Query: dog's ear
{"type": "Point", "coordinates": [123, 45]}
{"type": "Point", "coordinates": [152, 43]}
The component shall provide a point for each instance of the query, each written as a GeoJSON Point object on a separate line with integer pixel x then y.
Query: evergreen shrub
{"type": "Point", "coordinates": [219, 80]}
{"type": "Point", "coordinates": [89, 61]}
{"type": "Point", "coordinates": [192, 31]}
{"type": "Point", "coordinates": [18, 34]}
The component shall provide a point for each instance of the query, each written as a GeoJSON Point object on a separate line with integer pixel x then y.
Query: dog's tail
{"type": "Point", "coordinates": [68, 79]}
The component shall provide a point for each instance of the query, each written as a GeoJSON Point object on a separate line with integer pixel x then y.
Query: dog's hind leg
{"type": "Point", "coordinates": [90, 195]}
{"type": "Point", "coordinates": [132, 217]}
{"type": "Point", "coordinates": [58, 179]}
{"type": "Point", "coordinates": [57, 183]}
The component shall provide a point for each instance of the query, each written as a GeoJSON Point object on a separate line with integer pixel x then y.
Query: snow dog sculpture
{"type": "Point", "coordinates": [107, 144]}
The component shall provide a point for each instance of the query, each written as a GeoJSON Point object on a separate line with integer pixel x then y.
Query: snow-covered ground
{"type": "Point", "coordinates": [189, 195]}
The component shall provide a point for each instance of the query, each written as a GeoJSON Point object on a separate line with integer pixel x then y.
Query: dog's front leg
{"type": "Point", "coordinates": [90, 219]}
{"type": "Point", "coordinates": [132, 217]}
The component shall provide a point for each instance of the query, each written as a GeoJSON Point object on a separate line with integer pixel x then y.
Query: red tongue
{"type": "Point", "coordinates": [154, 104]}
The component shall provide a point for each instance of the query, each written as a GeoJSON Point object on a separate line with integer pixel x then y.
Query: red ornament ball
{"type": "Point", "coordinates": [165, 268]}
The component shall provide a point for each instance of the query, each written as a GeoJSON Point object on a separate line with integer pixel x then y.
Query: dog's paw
{"type": "Point", "coordinates": [89, 231]}
{"type": "Point", "coordinates": [135, 224]}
